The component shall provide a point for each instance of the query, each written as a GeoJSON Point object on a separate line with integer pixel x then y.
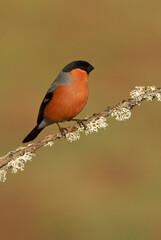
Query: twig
{"type": "Point", "coordinates": [16, 159]}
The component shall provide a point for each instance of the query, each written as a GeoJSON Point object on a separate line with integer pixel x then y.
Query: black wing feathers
{"type": "Point", "coordinates": [45, 101]}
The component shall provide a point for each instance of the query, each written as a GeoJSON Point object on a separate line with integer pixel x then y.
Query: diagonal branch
{"type": "Point", "coordinates": [16, 159]}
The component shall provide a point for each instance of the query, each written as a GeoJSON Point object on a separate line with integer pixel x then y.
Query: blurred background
{"type": "Point", "coordinates": [106, 185]}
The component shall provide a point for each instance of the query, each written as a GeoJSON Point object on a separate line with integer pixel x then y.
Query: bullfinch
{"type": "Point", "coordinates": [65, 98]}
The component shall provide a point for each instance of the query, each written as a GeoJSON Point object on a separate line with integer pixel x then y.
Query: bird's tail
{"type": "Point", "coordinates": [33, 134]}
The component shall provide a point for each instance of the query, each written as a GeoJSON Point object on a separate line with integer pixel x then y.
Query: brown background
{"type": "Point", "coordinates": [107, 185]}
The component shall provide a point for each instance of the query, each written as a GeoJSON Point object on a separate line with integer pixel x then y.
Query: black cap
{"type": "Point", "coordinates": [83, 65]}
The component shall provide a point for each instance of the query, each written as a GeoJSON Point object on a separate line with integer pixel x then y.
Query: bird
{"type": "Point", "coordinates": [65, 98]}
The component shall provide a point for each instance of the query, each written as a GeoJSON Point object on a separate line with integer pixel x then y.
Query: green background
{"type": "Point", "coordinates": [106, 185]}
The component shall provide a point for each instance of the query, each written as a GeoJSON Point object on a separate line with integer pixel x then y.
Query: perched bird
{"type": "Point", "coordinates": [65, 98]}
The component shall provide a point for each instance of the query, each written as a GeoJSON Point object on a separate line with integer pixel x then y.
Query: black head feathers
{"type": "Point", "coordinates": [83, 65]}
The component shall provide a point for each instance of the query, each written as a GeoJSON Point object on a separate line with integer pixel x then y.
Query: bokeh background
{"type": "Point", "coordinates": [106, 185]}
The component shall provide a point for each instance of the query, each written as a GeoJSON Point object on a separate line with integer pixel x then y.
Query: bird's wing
{"type": "Point", "coordinates": [62, 79]}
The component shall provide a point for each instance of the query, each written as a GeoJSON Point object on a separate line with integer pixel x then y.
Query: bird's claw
{"type": "Point", "coordinates": [63, 131]}
{"type": "Point", "coordinates": [80, 122]}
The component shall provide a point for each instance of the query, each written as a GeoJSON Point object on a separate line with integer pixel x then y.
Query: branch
{"type": "Point", "coordinates": [17, 159]}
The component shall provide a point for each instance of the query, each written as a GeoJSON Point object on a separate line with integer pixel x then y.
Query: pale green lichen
{"type": "Point", "coordinates": [3, 173]}
{"type": "Point", "coordinates": [138, 93]}
{"type": "Point", "coordinates": [49, 144]}
{"type": "Point", "coordinates": [74, 136]}
{"type": "Point", "coordinates": [94, 125]}
{"type": "Point", "coordinates": [142, 92]}
{"type": "Point", "coordinates": [150, 94]}
{"type": "Point", "coordinates": [158, 95]}
{"type": "Point", "coordinates": [17, 163]}
{"type": "Point", "coordinates": [121, 114]}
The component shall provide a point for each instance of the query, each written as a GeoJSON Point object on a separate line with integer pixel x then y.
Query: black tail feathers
{"type": "Point", "coordinates": [32, 135]}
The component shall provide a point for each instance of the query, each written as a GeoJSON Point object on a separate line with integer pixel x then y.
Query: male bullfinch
{"type": "Point", "coordinates": [65, 98]}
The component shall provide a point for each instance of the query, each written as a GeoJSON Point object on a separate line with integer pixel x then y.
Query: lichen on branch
{"type": "Point", "coordinates": [16, 160]}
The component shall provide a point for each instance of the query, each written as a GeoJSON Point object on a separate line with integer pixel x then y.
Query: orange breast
{"type": "Point", "coordinates": [68, 100]}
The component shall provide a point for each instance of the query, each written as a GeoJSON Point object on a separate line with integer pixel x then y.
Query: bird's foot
{"type": "Point", "coordinates": [62, 130]}
{"type": "Point", "coordinates": [80, 122]}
